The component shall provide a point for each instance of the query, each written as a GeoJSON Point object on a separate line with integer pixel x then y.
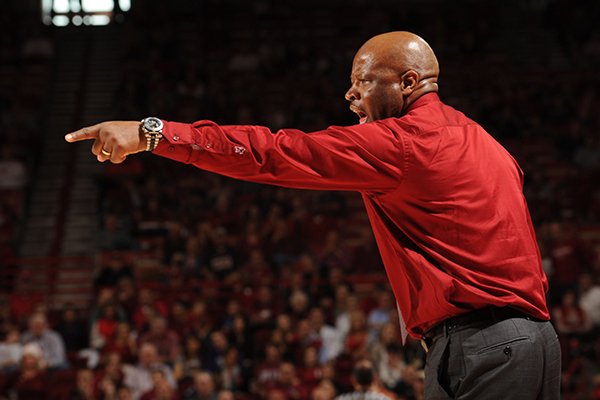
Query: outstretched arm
{"type": "Point", "coordinates": [368, 157]}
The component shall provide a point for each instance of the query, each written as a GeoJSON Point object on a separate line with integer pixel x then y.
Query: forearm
{"type": "Point", "coordinates": [353, 158]}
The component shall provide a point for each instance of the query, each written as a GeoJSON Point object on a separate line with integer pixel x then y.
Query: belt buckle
{"type": "Point", "coordinates": [424, 345]}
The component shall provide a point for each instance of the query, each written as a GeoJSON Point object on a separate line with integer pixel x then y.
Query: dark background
{"type": "Point", "coordinates": [79, 236]}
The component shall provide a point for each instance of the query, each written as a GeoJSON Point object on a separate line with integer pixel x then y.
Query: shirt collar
{"type": "Point", "coordinates": [427, 98]}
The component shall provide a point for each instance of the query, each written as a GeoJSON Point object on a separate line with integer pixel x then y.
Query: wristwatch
{"type": "Point", "coordinates": [152, 128]}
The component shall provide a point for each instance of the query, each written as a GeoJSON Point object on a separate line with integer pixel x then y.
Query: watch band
{"type": "Point", "coordinates": [152, 128]}
{"type": "Point", "coordinates": [152, 140]}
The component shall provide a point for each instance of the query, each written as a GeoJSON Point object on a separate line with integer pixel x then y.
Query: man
{"type": "Point", "coordinates": [445, 202]}
{"type": "Point", "coordinates": [332, 341]}
{"type": "Point", "coordinates": [203, 388]}
{"type": "Point", "coordinates": [363, 380]}
{"type": "Point", "coordinates": [51, 343]}
{"type": "Point", "coordinates": [165, 340]}
{"type": "Point", "coordinates": [138, 378]}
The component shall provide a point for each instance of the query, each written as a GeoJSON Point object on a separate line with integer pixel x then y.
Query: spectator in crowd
{"type": "Point", "coordinates": [11, 351]}
{"type": "Point", "coordinates": [73, 329]}
{"type": "Point", "coordinates": [289, 384]}
{"type": "Point", "coordinates": [161, 389]}
{"type": "Point", "coordinates": [49, 341]}
{"type": "Point", "coordinates": [358, 336]}
{"type": "Point", "coordinates": [364, 382]}
{"type": "Point", "coordinates": [113, 271]}
{"type": "Point", "coordinates": [203, 388]}
{"type": "Point", "coordinates": [13, 173]}
{"type": "Point", "coordinates": [345, 305]}
{"type": "Point", "coordinates": [124, 393]}
{"type": "Point", "coordinates": [391, 369]}
{"type": "Point", "coordinates": [266, 373]}
{"type": "Point", "coordinates": [330, 339]}
{"type": "Point", "coordinates": [103, 329]}
{"type": "Point", "coordinates": [380, 315]}
{"type": "Point", "coordinates": [310, 372]}
{"type": "Point", "coordinates": [231, 376]}
{"type": "Point", "coordinates": [84, 389]}
{"type": "Point", "coordinates": [226, 395]}
{"type": "Point", "coordinates": [109, 375]}
{"type": "Point", "coordinates": [215, 352]}
{"type": "Point", "coordinates": [114, 235]}
{"type": "Point", "coordinates": [569, 317]}
{"type": "Point", "coordinates": [138, 378]}
{"type": "Point", "coordinates": [148, 306]}
{"type": "Point", "coordinates": [589, 298]}
{"type": "Point", "coordinates": [165, 340]}
{"type": "Point", "coordinates": [324, 391]}
{"type": "Point", "coordinates": [190, 359]}
{"type": "Point", "coordinates": [123, 342]}
{"type": "Point", "coordinates": [31, 381]}
{"type": "Point", "coordinates": [379, 348]}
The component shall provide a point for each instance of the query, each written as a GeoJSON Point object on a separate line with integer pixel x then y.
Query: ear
{"type": "Point", "coordinates": [409, 81]}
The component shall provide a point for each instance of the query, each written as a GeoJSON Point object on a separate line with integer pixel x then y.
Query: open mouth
{"type": "Point", "coordinates": [362, 116]}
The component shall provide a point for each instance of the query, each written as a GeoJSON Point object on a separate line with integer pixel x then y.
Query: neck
{"type": "Point", "coordinates": [425, 86]}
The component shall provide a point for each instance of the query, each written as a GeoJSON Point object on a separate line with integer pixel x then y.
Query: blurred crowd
{"type": "Point", "coordinates": [207, 288]}
{"type": "Point", "coordinates": [26, 53]}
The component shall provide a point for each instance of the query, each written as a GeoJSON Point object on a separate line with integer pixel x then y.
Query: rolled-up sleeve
{"type": "Point", "coordinates": [368, 157]}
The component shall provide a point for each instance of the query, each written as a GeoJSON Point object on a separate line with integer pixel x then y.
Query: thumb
{"type": "Point", "coordinates": [90, 132]}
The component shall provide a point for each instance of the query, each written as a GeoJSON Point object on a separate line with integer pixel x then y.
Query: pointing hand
{"type": "Point", "coordinates": [113, 140]}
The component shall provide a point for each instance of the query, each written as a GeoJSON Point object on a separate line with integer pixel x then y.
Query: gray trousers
{"type": "Point", "coordinates": [511, 359]}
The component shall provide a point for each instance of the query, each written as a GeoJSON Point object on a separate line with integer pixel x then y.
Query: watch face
{"type": "Point", "coordinates": [153, 124]}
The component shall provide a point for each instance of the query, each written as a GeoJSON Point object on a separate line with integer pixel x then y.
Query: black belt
{"type": "Point", "coordinates": [477, 318]}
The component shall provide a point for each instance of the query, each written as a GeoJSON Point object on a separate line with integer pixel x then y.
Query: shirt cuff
{"type": "Point", "coordinates": [178, 142]}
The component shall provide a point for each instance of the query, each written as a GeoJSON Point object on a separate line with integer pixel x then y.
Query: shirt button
{"type": "Point", "coordinates": [175, 138]}
{"type": "Point", "coordinates": [195, 147]}
{"type": "Point", "coordinates": [208, 146]}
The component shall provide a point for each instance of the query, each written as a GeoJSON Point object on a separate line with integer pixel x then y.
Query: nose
{"type": "Point", "coordinates": [352, 94]}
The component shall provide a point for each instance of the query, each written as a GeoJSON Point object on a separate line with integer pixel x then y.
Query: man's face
{"type": "Point", "coordinates": [376, 91]}
{"type": "Point", "coordinates": [204, 384]}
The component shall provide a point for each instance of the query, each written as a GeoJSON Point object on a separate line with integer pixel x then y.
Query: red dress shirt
{"type": "Point", "coordinates": [444, 199]}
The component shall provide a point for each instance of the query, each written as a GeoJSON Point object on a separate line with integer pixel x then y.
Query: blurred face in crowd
{"type": "Point", "coordinates": [271, 353]}
{"type": "Point", "coordinates": [298, 301]}
{"type": "Point", "coordinates": [287, 373]}
{"type": "Point", "coordinates": [219, 341]}
{"type": "Point", "coordinates": [225, 395]}
{"type": "Point", "coordinates": [192, 346]}
{"type": "Point", "coordinates": [388, 333]}
{"type": "Point", "coordinates": [317, 319]}
{"type": "Point", "coordinates": [310, 357]}
{"type": "Point", "coordinates": [124, 394]}
{"type": "Point", "coordinates": [276, 395]}
{"type": "Point", "coordinates": [569, 298]}
{"type": "Point", "coordinates": [30, 361]}
{"type": "Point", "coordinates": [12, 336]}
{"type": "Point", "coordinates": [239, 325]}
{"type": "Point", "coordinates": [389, 72]}
{"type": "Point", "coordinates": [148, 355]}
{"type": "Point", "coordinates": [160, 383]}
{"type": "Point", "coordinates": [85, 380]}
{"type": "Point", "coordinates": [284, 322]}
{"type": "Point", "coordinates": [204, 384]}
{"type": "Point", "coordinates": [37, 324]}
{"type": "Point", "coordinates": [158, 326]}
{"type": "Point", "coordinates": [231, 357]}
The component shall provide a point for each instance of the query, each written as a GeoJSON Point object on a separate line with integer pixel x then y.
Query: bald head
{"type": "Point", "coordinates": [389, 72]}
{"type": "Point", "coordinates": [402, 51]}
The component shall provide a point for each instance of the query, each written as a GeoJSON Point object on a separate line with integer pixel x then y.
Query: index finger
{"type": "Point", "coordinates": [89, 132]}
